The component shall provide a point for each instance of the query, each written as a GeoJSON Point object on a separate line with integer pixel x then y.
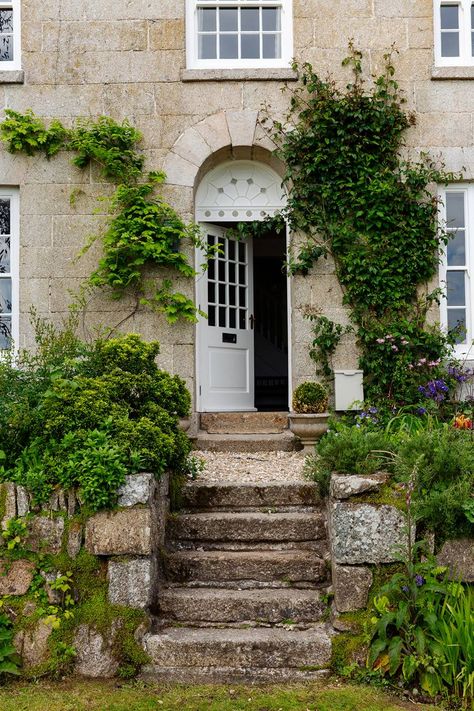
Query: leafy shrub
{"type": "Point", "coordinates": [85, 415]}
{"type": "Point", "coordinates": [310, 398]}
{"type": "Point", "coordinates": [9, 659]}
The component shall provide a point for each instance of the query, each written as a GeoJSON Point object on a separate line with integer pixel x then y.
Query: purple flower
{"type": "Point", "coordinates": [405, 588]}
{"type": "Point", "coordinates": [419, 580]}
{"type": "Point", "coordinates": [421, 411]}
{"type": "Point", "coordinates": [373, 410]}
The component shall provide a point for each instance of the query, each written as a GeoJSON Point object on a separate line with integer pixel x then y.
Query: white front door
{"type": "Point", "coordinates": [225, 340]}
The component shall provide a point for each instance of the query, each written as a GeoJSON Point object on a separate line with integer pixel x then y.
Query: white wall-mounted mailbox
{"type": "Point", "coordinates": [348, 389]}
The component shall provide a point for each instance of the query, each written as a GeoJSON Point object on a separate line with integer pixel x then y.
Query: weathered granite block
{"type": "Point", "coordinates": [94, 654]}
{"type": "Point", "coordinates": [458, 556]}
{"type": "Point", "coordinates": [32, 645]}
{"type": "Point", "coordinates": [130, 582]}
{"type": "Point", "coordinates": [136, 489]}
{"type": "Point", "coordinates": [15, 576]}
{"type": "Point", "coordinates": [125, 532]}
{"type": "Point", "coordinates": [342, 487]}
{"type": "Point", "coordinates": [366, 533]}
{"type": "Point", "coordinates": [351, 587]}
{"type": "Point", "coordinates": [45, 534]}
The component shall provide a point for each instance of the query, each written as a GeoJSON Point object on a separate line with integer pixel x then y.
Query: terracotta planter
{"type": "Point", "coordinates": [308, 428]}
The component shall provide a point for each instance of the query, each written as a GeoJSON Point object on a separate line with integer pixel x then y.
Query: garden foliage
{"type": "Point", "coordinates": [85, 415]}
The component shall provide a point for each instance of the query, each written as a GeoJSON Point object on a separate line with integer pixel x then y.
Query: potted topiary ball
{"type": "Point", "coordinates": [309, 418]}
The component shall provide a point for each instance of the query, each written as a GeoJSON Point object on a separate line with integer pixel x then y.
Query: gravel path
{"type": "Point", "coordinates": [251, 468]}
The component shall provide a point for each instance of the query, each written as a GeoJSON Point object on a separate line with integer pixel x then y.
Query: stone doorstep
{"type": "Point", "coordinates": [284, 442]}
{"type": "Point", "coordinates": [248, 527]}
{"type": "Point", "coordinates": [244, 422]}
{"type": "Point", "coordinates": [262, 566]}
{"type": "Point", "coordinates": [233, 606]}
{"type": "Point", "coordinates": [228, 675]}
{"type": "Point", "coordinates": [238, 496]}
{"type": "Point", "coordinates": [248, 648]}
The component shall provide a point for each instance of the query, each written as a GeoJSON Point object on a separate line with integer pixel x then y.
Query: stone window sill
{"type": "Point", "coordinates": [452, 73]}
{"type": "Point", "coordinates": [12, 76]}
{"type": "Point", "coordinates": [238, 75]}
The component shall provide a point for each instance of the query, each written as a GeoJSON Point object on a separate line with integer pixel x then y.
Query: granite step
{"type": "Point", "coordinates": [250, 496]}
{"type": "Point", "coordinates": [216, 606]}
{"type": "Point", "coordinates": [282, 442]}
{"type": "Point", "coordinates": [245, 568]}
{"type": "Point", "coordinates": [255, 648]}
{"type": "Point", "coordinates": [248, 526]}
{"type": "Point", "coordinates": [244, 422]}
{"type": "Point", "coordinates": [230, 675]}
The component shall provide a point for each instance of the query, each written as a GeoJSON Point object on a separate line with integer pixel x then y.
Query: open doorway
{"type": "Point", "coordinates": [271, 324]}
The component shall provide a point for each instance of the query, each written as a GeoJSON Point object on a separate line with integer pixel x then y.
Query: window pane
{"type": "Point", "coordinates": [449, 17]}
{"type": "Point", "coordinates": [231, 249]}
{"type": "Point", "coordinates": [472, 17]}
{"type": "Point", "coordinates": [242, 296]}
{"type": "Point", "coordinates": [242, 252]}
{"type": "Point", "coordinates": [456, 288]}
{"type": "Point", "coordinates": [6, 48]}
{"type": "Point", "coordinates": [211, 293]}
{"type": "Point", "coordinates": [222, 299]}
{"type": "Point", "coordinates": [455, 209]}
{"type": "Point", "coordinates": [211, 315]}
{"type": "Point", "coordinates": [222, 320]}
{"type": "Point", "coordinates": [242, 318]}
{"type": "Point", "coordinates": [207, 19]}
{"type": "Point", "coordinates": [6, 20]}
{"type": "Point", "coordinates": [207, 47]}
{"type": "Point", "coordinates": [228, 19]}
{"type": "Point", "coordinates": [271, 47]}
{"type": "Point", "coordinates": [232, 318]}
{"type": "Point", "coordinates": [450, 44]}
{"type": "Point", "coordinates": [472, 43]}
{"type": "Point", "coordinates": [4, 254]}
{"type": "Point", "coordinates": [5, 332]}
{"type": "Point", "coordinates": [242, 275]}
{"type": "Point", "coordinates": [221, 270]}
{"type": "Point", "coordinates": [457, 320]}
{"type": "Point", "coordinates": [232, 295]}
{"type": "Point", "coordinates": [249, 19]}
{"type": "Point", "coordinates": [456, 250]}
{"type": "Point", "coordinates": [271, 19]}
{"type": "Point", "coordinates": [232, 273]}
{"type": "Point", "coordinates": [250, 47]}
{"type": "Point", "coordinates": [5, 296]}
{"type": "Point", "coordinates": [228, 47]}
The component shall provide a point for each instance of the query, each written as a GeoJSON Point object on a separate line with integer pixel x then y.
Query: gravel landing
{"type": "Point", "coordinates": [251, 468]}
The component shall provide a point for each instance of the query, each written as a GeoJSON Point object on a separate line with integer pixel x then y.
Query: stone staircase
{"type": "Point", "coordinates": [246, 582]}
{"type": "Point", "coordinates": [245, 432]}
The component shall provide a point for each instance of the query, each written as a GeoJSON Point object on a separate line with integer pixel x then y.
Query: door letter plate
{"type": "Point", "coordinates": [229, 338]}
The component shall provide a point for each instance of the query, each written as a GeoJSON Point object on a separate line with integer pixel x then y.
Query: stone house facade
{"type": "Point", "coordinates": [192, 76]}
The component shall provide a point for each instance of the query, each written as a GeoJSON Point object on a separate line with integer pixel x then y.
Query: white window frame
{"type": "Point", "coordinates": [462, 350]}
{"type": "Point", "coordinates": [15, 63]}
{"type": "Point", "coordinates": [14, 273]}
{"type": "Point", "coordinates": [465, 58]}
{"type": "Point", "coordinates": [192, 60]}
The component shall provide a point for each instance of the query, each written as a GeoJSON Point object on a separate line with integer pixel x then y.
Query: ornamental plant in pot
{"type": "Point", "coordinates": [309, 418]}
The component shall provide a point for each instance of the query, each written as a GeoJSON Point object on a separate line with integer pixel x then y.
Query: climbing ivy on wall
{"type": "Point", "coordinates": [143, 230]}
{"type": "Point", "coordinates": [356, 199]}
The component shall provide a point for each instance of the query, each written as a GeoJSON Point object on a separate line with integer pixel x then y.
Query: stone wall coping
{"type": "Point", "coordinates": [452, 73]}
{"type": "Point", "coordinates": [8, 76]}
{"type": "Point", "coordinates": [238, 75]}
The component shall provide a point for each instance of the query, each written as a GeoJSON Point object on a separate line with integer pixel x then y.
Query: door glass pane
{"type": "Point", "coordinates": [242, 279]}
{"type": "Point", "coordinates": [211, 315]}
{"type": "Point", "coordinates": [449, 17]}
{"type": "Point", "coordinates": [241, 252]}
{"type": "Point", "coordinates": [4, 254]}
{"type": "Point", "coordinates": [455, 210]}
{"type": "Point", "coordinates": [222, 244]}
{"type": "Point", "coordinates": [222, 288]}
{"type": "Point", "coordinates": [222, 321]}
{"type": "Point", "coordinates": [5, 332]}
{"type": "Point", "coordinates": [231, 248]}
{"type": "Point", "coordinates": [211, 293]}
{"type": "Point", "coordinates": [232, 290]}
{"type": "Point", "coordinates": [229, 47]}
{"type": "Point", "coordinates": [242, 296]}
{"type": "Point", "coordinates": [250, 19]}
{"type": "Point", "coordinates": [232, 318]}
{"type": "Point", "coordinates": [231, 273]}
{"type": "Point", "coordinates": [207, 19]}
{"type": "Point", "coordinates": [450, 44]}
{"type": "Point", "coordinates": [457, 320]}
{"type": "Point", "coordinates": [5, 217]}
{"type": "Point", "coordinates": [456, 249]}
{"type": "Point", "coordinates": [242, 318]}
{"type": "Point", "coordinates": [221, 270]}
{"type": "Point", "coordinates": [456, 288]}
{"type": "Point", "coordinates": [250, 46]}
{"type": "Point", "coordinates": [5, 296]}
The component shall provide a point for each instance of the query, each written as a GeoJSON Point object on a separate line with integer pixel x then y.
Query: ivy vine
{"type": "Point", "coordinates": [355, 198]}
{"type": "Point", "coordinates": [143, 230]}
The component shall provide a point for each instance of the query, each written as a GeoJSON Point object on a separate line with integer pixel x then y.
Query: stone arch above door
{"type": "Point", "coordinates": [217, 138]}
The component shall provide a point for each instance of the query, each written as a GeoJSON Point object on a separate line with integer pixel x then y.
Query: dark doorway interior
{"type": "Point", "coordinates": [271, 324]}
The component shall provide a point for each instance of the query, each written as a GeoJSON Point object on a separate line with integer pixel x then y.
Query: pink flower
{"type": "Point", "coordinates": [404, 342]}
{"type": "Point", "coordinates": [380, 340]}
{"type": "Point", "coordinates": [395, 348]}
{"type": "Point", "coordinates": [410, 365]}
{"type": "Point", "coordinates": [434, 363]}
{"type": "Point", "coordinates": [422, 361]}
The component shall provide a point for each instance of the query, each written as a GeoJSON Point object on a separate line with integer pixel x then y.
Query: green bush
{"type": "Point", "coordinates": [85, 415]}
{"type": "Point", "coordinates": [310, 398]}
